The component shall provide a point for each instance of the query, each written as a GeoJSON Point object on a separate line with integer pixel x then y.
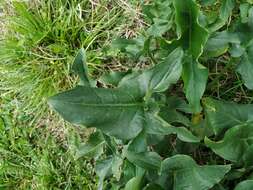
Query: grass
{"type": "Point", "coordinates": [41, 40]}
{"type": "Point", "coordinates": [33, 159]}
{"type": "Point", "coordinates": [38, 42]}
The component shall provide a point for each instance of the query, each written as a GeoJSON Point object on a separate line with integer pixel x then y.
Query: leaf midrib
{"type": "Point", "coordinates": [107, 104]}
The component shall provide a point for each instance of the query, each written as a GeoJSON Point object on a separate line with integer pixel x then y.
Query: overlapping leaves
{"type": "Point", "coordinates": [121, 111]}
{"type": "Point", "coordinates": [135, 117]}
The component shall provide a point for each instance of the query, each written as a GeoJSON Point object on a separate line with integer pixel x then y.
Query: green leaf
{"type": "Point", "coordinates": [134, 184]}
{"type": "Point", "coordinates": [244, 8]}
{"type": "Point", "coordinates": [171, 114]}
{"type": "Point", "coordinates": [195, 77]}
{"type": "Point", "coordinates": [93, 147]}
{"type": "Point", "coordinates": [219, 42]}
{"type": "Point", "coordinates": [103, 169]}
{"type": "Point", "coordinates": [189, 175]}
{"type": "Point", "coordinates": [80, 67]}
{"type": "Point", "coordinates": [157, 78]}
{"type": "Point", "coordinates": [246, 67]}
{"type": "Point", "coordinates": [245, 185]}
{"type": "Point", "coordinates": [115, 112]}
{"type": "Point", "coordinates": [247, 157]}
{"type": "Point", "coordinates": [157, 126]}
{"type": "Point", "coordinates": [226, 9]}
{"type": "Point", "coordinates": [129, 170]}
{"type": "Point", "coordinates": [139, 144]}
{"type": "Point", "coordinates": [191, 35]}
{"type": "Point", "coordinates": [222, 115]}
{"type": "Point", "coordinates": [235, 143]}
{"type": "Point", "coordinates": [245, 49]}
{"type": "Point", "coordinates": [120, 111]}
{"type": "Point", "coordinates": [146, 160]}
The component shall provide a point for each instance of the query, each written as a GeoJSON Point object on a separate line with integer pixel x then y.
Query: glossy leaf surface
{"type": "Point", "coordinates": [80, 67]}
{"type": "Point", "coordinates": [222, 115]}
{"type": "Point", "coordinates": [156, 79]}
{"type": "Point", "coordinates": [189, 175]}
{"type": "Point", "coordinates": [245, 185]}
{"type": "Point", "coordinates": [191, 35]}
{"type": "Point", "coordinates": [195, 77]}
{"type": "Point", "coordinates": [120, 114]}
{"type": "Point", "coordinates": [235, 143]}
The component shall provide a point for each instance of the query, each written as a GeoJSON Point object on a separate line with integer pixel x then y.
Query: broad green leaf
{"type": "Point", "coordinates": [191, 35]}
{"type": "Point", "coordinates": [157, 78]}
{"type": "Point", "coordinates": [219, 42]}
{"type": "Point", "coordinates": [120, 111]}
{"type": "Point", "coordinates": [246, 67]}
{"type": "Point", "coordinates": [93, 147]}
{"type": "Point", "coordinates": [244, 8]}
{"type": "Point", "coordinates": [235, 143]}
{"type": "Point", "coordinates": [103, 169]}
{"type": "Point", "coordinates": [189, 175]}
{"type": "Point", "coordinates": [80, 67]}
{"type": "Point", "coordinates": [134, 184]}
{"type": "Point", "coordinates": [113, 111]}
{"type": "Point", "coordinates": [146, 160]}
{"type": "Point", "coordinates": [195, 77]}
{"type": "Point", "coordinates": [245, 185]}
{"type": "Point", "coordinates": [157, 126]}
{"type": "Point", "coordinates": [226, 9]}
{"type": "Point", "coordinates": [245, 50]}
{"type": "Point", "coordinates": [237, 50]}
{"type": "Point", "coordinates": [222, 115]}
{"type": "Point", "coordinates": [139, 144]}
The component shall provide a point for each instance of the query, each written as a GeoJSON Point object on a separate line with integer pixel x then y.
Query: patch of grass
{"type": "Point", "coordinates": [35, 160]}
{"type": "Point", "coordinates": [42, 36]}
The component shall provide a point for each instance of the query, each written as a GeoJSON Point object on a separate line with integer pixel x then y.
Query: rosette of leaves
{"type": "Point", "coordinates": [130, 121]}
{"type": "Point", "coordinates": [174, 23]}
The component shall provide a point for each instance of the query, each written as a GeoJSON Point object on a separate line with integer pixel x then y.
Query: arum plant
{"type": "Point", "coordinates": [147, 138]}
{"type": "Point", "coordinates": [128, 118]}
